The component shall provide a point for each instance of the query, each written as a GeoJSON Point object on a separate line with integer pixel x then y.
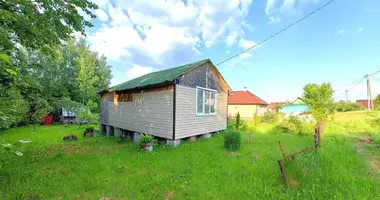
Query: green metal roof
{"type": "Point", "coordinates": [157, 78]}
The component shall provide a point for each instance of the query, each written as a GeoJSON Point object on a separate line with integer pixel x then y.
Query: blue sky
{"type": "Point", "coordinates": [339, 44]}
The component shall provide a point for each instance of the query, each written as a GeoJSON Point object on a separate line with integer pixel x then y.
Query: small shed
{"type": "Point", "coordinates": [176, 103]}
{"type": "Point", "coordinates": [297, 106]}
{"type": "Point", "coordinates": [245, 103]}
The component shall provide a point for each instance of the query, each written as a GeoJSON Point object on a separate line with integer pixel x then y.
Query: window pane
{"type": "Point", "coordinates": [212, 102]}
{"type": "Point", "coordinates": [199, 101]}
{"type": "Point", "coordinates": [207, 102]}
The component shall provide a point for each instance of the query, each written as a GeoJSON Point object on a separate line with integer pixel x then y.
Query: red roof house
{"type": "Point", "coordinates": [246, 104]}
{"type": "Point", "coordinates": [245, 98]}
{"type": "Point", "coordinates": [274, 105]}
{"type": "Point", "coordinates": [364, 103]}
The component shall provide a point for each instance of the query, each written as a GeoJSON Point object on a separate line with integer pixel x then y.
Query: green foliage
{"type": "Point", "coordinates": [41, 24]}
{"type": "Point", "coordinates": [89, 129]}
{"type": "Point", "coordinates": [343, 106]}
{"type": "Point", "coordinates": [377, 102]}
{"type": "Point", "coordinates": [294, 125]}
{"type": "Point", "coordinates": [232, 140]}
{"type": "Point", "coordinates": [320, 100]}
{"type": "Point", "coordinates": [85, 114]}
{"type": "Point", "coordinates": [53, 79]}
{"type": "Point", "coordinates": [237, 121]}
{"type": "Point", "coordinates": [13, 107]}
{"type": "Point", "coordinates": [146, 139]}
{"type": "Point", "coordinates": [40, 108]}
{"type": "Point", "coordinates": [269, 117]}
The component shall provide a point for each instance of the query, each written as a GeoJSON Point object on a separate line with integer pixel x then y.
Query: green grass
{"type": "Point", "coordinates": [93, 168]}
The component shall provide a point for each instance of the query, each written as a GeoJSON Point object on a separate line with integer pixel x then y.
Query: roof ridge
{"type": "Point", "coordinates": [153, 78]}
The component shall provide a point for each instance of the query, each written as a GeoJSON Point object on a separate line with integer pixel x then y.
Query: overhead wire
{"type": "Point", "coordinates": [278, 32]}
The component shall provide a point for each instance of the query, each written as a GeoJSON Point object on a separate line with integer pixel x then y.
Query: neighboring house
{"type": "Point", "coordinates": [245, 103]}
{"type": "Point", "coordinates": [275, 105]}
{"type": "Point", "coordinates": [68, 117]}
{"type": "Point", "coordinates": [364, 103]}
{"type": "Point", "coordinates": [296, 108]}
{"type": "Point", "coordinates": [176, 103]}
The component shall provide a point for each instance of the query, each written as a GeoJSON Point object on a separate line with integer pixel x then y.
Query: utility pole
{"type": "Point", "coordinates": [346, 95]}
{"type": "Point", "coordinates": [369, 95]}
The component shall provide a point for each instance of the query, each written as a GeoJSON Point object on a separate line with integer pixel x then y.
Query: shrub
{"type": "Point", "coordinates": [237, 121]}
{"type": "Point", "coordinates": [146, 139]}
{"type": "Point", "coordinates": [343, 106]}
{"type": "Point", "coordinates": [294, 125]}
{"type": "Point", "coordinates": [269, 117]}
{"type": "Point", "coordinates": [232, 140]}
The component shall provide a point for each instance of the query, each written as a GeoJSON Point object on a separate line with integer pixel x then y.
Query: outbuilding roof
{"type": "Point", "coordinates": [244, 98]}
{"type": "Point", "coordinates": [157, 78]}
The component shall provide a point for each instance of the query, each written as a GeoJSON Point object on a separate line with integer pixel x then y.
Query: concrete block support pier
{"type": "Point", "coordinates": [173, 143]}
{"type": "Point", "coordinates": [207, 135]}
{"type": "Point", "coordinates": [118, 132]}
{"type": "Point", "coordinates": [109, 130]}
{"type": "Point", "coordinates": [136, 137]}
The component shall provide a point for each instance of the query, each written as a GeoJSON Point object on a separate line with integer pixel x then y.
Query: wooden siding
{"type": "Point", "coordinates": [105, 98]}
{"type": "Point", "coordinates": [188, 123]}
{"type": "Point", "coordinates": [150, 112]}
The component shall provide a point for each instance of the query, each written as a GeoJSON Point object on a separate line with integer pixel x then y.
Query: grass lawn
{"type": "Point", "coordinates": [101, 168]}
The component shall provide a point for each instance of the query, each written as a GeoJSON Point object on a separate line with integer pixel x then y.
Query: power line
{"type": "Point", "coordinates": [374, 73]}
{"type": "Point", "coordinates": [277, 33]}
{"type": "Point", "coordinates": [356, 84]}
{"type": "Point", "coordinates": [353, 83]}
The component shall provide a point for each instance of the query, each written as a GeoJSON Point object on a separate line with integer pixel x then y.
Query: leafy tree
{"type": "Point", "coordinates": [41, 23]}
{"type": "Point", "coordinates": [40, 109]}
{"type": "Point", "coordinates": [377, 102]}
{"type": "Point", "coordinates": [86, 116]}
{"type": "Point", "coordinates": [13, 107]}
{"type": "Point", "coordinates": [320, 100]}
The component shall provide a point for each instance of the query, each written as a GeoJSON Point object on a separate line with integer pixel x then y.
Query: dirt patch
{"type": "Point", "coordinates": [169, 195]}
{"type": "Point", "coordinates": [362, 146]}
{"type": "Point", "coordinates": [82, 149]}
{"type": "Point", "coordinates": [366, 139]}
{"type": "Point", "coordinates": [293, 183]}
{"type": "Point", "coordinates": [374, 164]}
{"type": "Point", "coordinates": [234, 154]}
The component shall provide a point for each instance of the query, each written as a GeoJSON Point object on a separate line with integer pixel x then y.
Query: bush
{"type": "Point", "coordinates": [294, 125]}
{"type": "Point", "coordinates": [232, 140]}
{"type": "Point", "coordinates": [343, 106]}
{"type": "Point", "coordinates": [269, 117]}
{"type": "Point", "coordinates": [146, 139]}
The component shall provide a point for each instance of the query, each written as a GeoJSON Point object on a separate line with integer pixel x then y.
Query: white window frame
{"type": "Point", "coordinates": [204, 105]}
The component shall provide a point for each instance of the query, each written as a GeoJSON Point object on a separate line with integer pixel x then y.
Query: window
{"type": "Point", "coordinates": [206, 101]}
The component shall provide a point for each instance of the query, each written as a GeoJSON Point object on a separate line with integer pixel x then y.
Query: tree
{"type": "Point", "coordinates": [377, 102]}
{"type": "Point", "coordinates": [41, 23]}
{"type": "Point", "coordinates": [40, 109]}
{"type": "Point", "coordinates": [13, 107]}
{"type": "Point", "coordinates": [320, 100]}
{"type": "Point", "coordinates": [86, 116]}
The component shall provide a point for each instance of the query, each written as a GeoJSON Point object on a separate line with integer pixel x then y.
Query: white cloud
{"type": "Point", "coordinates": [155, 32]}
{"type": "Point", "coordinates": [244, 56]}
{"type": "Point", "coordinates": [360, 29]}
{"type": "Point", "coordinates": [101, 3]}
{"type": "Point", "coordinates": [245, 44]}
{"type": "Point", "coordinates": [137, 71]}
{"type": "Point", "coordinates": [101, 14]}
{"type": "Point", "coordinates": [271, 5]}
{"type": "Point", "coordinates": [341, 31]}
{"type": "Point", "coordinates": [231, 40]}
{"type": "Point", "coordinates": [274, 20]}
{"type": "Point", "coordinates": [284, 7]}
{"type": "Point", "coordinates": [228, 52]}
